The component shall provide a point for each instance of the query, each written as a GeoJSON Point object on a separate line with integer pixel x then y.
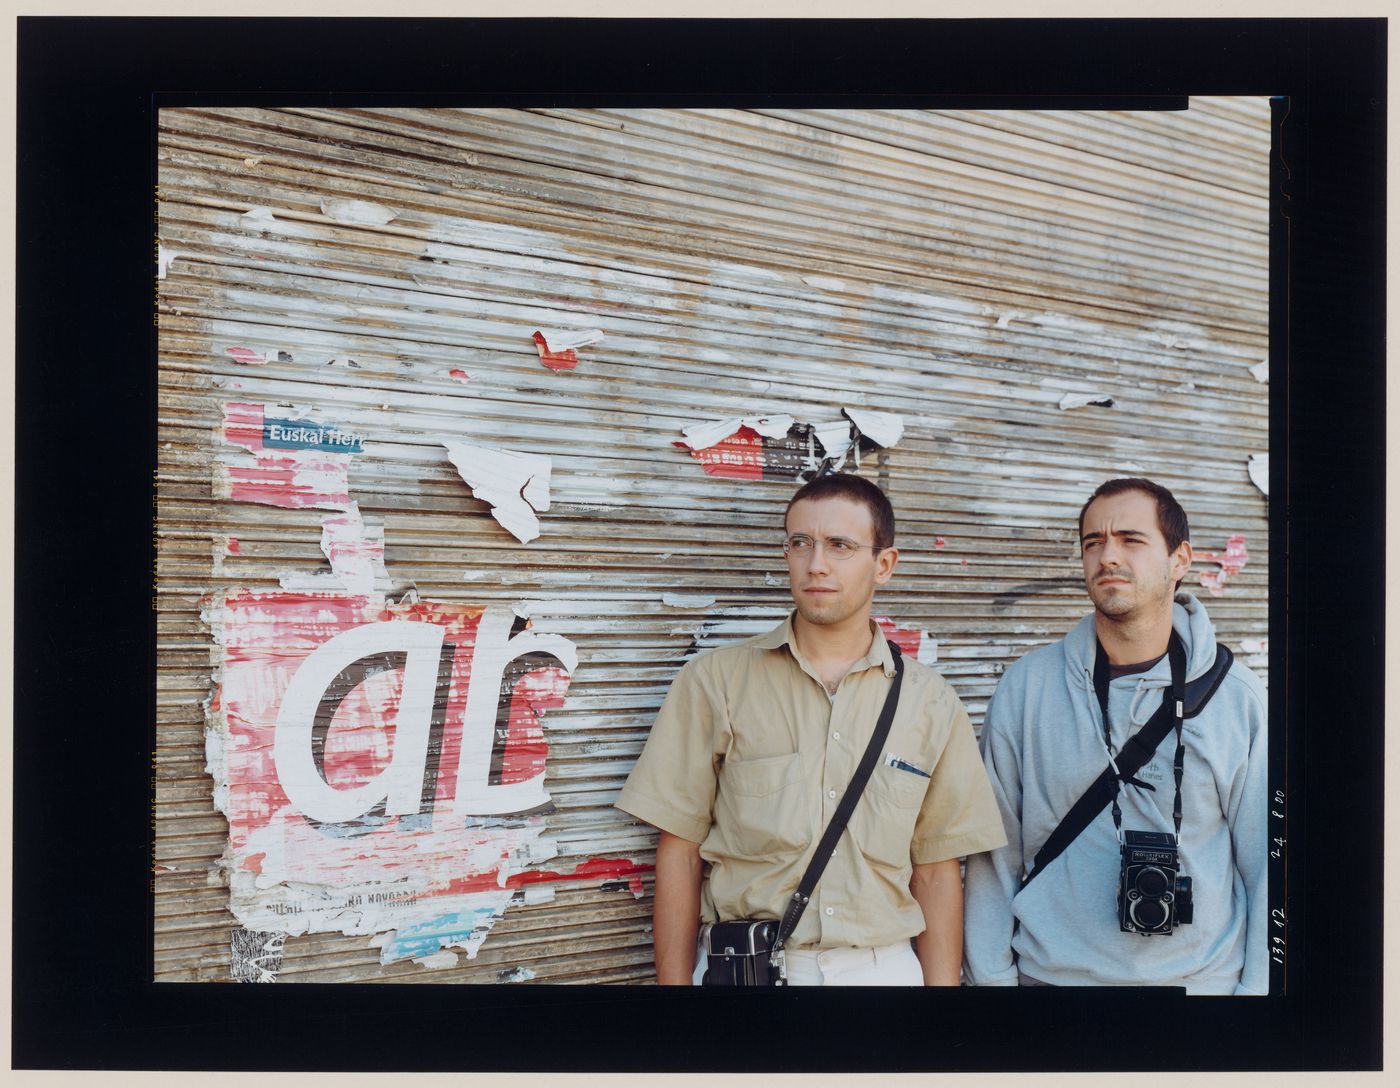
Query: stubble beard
{"type": "Point", "coordinates": [1117, 606]}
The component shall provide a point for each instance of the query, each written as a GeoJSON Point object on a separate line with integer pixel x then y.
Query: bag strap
{"type": "Point", "coordinates": [798, 903]}
{"type": "Point", "coordinates": [1135, 753]}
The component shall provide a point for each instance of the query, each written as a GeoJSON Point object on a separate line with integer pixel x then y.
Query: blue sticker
{"type": "Point", "coordinates": [304, 434]}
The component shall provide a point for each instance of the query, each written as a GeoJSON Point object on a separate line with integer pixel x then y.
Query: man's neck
{"type": "Point", "coordinates": [833, 648]}
{"type": "Point", "coordinates": [1127, 642]}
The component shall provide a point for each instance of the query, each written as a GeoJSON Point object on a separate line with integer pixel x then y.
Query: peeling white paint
{"type": "Point", "coordinates": [682, 600]}
{"type": "Point", "coordinates": [1261, 371]}
{"type": "Point", "coordinates": [528, 608]}
{"type": "Point", "coordinates": [258, 219]}
{"type": "Point", "coordinates": [357, 212]}
{"type": "Point", "coordinates": [1064, 321]}
{"type": "Point", "coordinates": [1259, 471]}
{"type": "Point", "coordinates": [515, 484]}
{"type": "Point", "coordinates": [1084, 400]}
{"type": "Point", "coordinates": [538, 893]}
{"type": "Point", "coordinates": [774, 580]}
{"type": "Point", "coordinates": [885, 428]}
{"type": "Point", "coordinates": [516, 974]}
{"type": "Point", "coordinates": [442, 958]}
{"type": "Point", "coordinates": [746, 271]}
{"type": "Point", "coordinates": [826, 283]}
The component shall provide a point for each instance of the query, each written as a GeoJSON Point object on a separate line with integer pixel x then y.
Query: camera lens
{"type": "Point", "coordinates": [1149, 913]}
{"type": "Point", "coordinates": [1152, 882]}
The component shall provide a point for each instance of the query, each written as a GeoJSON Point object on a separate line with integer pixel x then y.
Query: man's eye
{"type": "Point", "coordinates": [799, 543]}
{"type": "Point", "coordinates": [841, 546]}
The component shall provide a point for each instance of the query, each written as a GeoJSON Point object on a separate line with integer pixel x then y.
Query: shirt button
{"type": "Point", "coordinates": [830, 911]}
{"type": "Point", "coordinates": [836, 736]}
{"type": "Point", "coordinates": [831, 793]}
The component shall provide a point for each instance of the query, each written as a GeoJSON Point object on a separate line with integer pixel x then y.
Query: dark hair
{"type": "Point", "coordinates": [845, 485]}
{"type": "Point", "coordinates": [1171, 518]}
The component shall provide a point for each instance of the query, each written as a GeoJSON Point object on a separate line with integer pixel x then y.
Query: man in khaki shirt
{"type": "Point", "coordinates": [756, 743]}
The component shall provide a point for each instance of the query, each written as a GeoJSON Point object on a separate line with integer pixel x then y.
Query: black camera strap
{"type": "Point", "coordinates": [798, 903]}
{"type": "Point", "coordinates": [1173, 702]}
{"type": "Point", "coordinates": [1136, 752]}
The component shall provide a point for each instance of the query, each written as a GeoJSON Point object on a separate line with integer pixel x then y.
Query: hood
{"type": "Point", "coordinates": [1189, 620]}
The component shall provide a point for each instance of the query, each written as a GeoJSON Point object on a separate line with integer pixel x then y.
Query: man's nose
{"type": "Point", "coordinates": [819, 560]}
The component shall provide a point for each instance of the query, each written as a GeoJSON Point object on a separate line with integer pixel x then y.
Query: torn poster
{"type": "Point", "coordinates": [912, 641]}
{"type": "Point", "coordinates": [1258, 651]}
{"type": "Point", "coordinates": [381, 766]}
{"type": "Point", "coordinates": [355, 548]}
{"type": "Point", "coordinates": [515, 484]}
{"type": "Point", "coordinates": [1232, 560]}
{"type": "Point", "coordinates": [780, 447]}
{"type": "Point", "coordinates": [558, 347]}
{"type": "Point", "coordinates": [357, 212]}
{"type": "Point", "coordinates": [255, 956]}
{"type": "Point", "coordinates": [1259, 471]}
{"type": "Point", "coordinates": [297, 463]}
{"type": "Point", "coordinates": [164, 257]}
{"type": "Point", "coordinates": [255, 357]}
{"type": "Point", "coordinates": [1085, 400]}
{"type": "Point", "coordinates": [1260, 371]}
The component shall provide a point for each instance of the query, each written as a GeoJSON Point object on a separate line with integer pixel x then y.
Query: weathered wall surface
{"type": "Point", "coordinates": [475, 423]}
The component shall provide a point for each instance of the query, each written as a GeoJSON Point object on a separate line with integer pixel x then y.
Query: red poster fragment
{"type": "Point", "coordinates": [1232, 560]}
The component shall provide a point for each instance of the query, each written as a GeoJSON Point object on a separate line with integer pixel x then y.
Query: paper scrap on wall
{"type": "Point", "coordinates": [515, 484]}
{"type": "Point", "coordinates": [1085, 400]}
{"type": "Point", "coordinates": [1232, 560]}
{"type": "Point", "coordinates": [164, 257]}
{"type": "Point", "coordinates": [354, 546]}
{"type": "Point", "coordinates": [1259, 471]}
{"type": "Point", "coordinates": [253, 356]}
{"type": "Point", "coordinates": [558, 348]}
{"type": "Point", "coordinates": [381, 766]}
{"type": "Point", "coordinates": [779, 447]}
{"type": "Point", "coordinates": [1261, 371]}
{"type": "Point", "coordinates": [912, 641]}
{"type": "Point", "coordinates": [296, 462]}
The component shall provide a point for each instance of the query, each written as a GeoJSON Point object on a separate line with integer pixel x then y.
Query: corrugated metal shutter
{"type": "Point", "coordinates": [964, 270]}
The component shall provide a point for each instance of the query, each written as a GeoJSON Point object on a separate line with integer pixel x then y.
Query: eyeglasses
{"type": "Point", "coordinates": [837, 547]}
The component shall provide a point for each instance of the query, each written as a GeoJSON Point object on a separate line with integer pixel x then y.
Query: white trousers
{"type": "Point", "coordinates": [893, 965]}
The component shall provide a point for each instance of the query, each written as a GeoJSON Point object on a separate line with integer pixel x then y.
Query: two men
{"type": "Point", "coordinates": [756, 742]}
{"type": "Point", "coordinates": [753, 750]}
{"type": "Point", "coordinates": [1051, 728]}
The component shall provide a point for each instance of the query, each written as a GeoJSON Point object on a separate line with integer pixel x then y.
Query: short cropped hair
{"type": "Point", "coordinates": [845, 485]}
{"type": "Point", "coordinates": [1171, 518]}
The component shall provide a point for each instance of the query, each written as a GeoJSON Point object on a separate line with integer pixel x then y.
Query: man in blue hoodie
{"type": "Point", "coordinates": [1044, 740]}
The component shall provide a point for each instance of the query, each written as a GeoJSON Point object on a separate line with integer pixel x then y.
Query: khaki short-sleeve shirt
{"type": "Point", "coordinates": [749, 758]}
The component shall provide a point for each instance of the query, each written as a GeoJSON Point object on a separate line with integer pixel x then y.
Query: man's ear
{"type": "Point", "coordinates": [1181, 560]}
{"type": "Point", "coordinates": [884, 565]}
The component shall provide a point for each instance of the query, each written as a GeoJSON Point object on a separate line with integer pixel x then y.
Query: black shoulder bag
{"type": "Point", "coordinates": [749, 951]}
{"type": "Point", "coordinates": [1135, 753]}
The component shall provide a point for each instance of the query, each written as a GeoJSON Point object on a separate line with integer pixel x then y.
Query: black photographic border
{"type": "Point", "coordinates": [84, 629]}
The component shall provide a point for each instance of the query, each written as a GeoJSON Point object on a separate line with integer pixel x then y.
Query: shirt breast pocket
{"type": "Point", "coordinates": [883, 821]}
{"type": "Point", "coordinates": [759, 805]}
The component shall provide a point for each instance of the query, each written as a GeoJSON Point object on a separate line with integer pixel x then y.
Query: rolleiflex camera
{"type": "Point", "coordinates": [741, 954]}
{"type": "Point", "coordinates": [1153, 896]}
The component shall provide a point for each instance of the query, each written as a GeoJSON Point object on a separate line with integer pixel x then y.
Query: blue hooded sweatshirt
{"type": "Point", "coordinates": [1042, 743]}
